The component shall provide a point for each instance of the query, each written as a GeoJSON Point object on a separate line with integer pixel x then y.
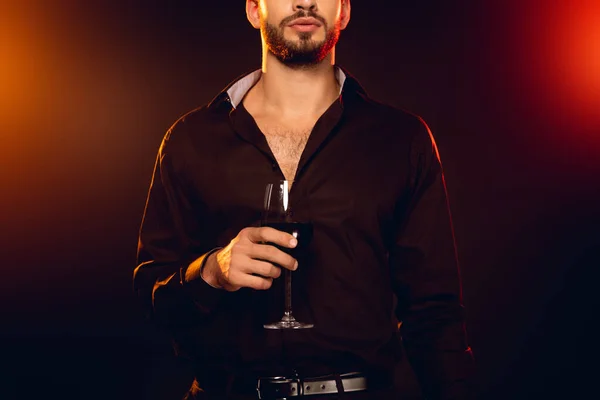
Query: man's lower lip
{"type": "Point", "coordinates": [305, 28]}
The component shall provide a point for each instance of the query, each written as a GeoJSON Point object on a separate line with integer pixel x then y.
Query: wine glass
{"type": "Point", "coordinates": [277, 214]}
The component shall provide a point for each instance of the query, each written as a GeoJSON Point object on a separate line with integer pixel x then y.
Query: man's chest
{"type": "Point", "coordinates": [287, 145]}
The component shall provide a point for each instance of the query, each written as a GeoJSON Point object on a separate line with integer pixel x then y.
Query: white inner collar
{"type": "Point", "coordinates": [239, 89]}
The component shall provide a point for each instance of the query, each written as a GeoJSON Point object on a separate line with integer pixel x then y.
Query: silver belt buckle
{"type": "Point", "coordinates": [282, 379]}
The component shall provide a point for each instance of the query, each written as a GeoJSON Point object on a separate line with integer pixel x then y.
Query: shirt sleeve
{"type": "Point", "coordinates": [173, 233]}
{"type": "Point", "coordinates": [426, 280]}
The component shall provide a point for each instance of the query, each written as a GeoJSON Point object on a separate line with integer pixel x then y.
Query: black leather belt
{"type": "Point", "coordinates": [294, 385]}
{"type": "Point", "coordinates": [275, 388]}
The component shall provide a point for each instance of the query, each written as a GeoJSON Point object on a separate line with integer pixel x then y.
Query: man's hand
{"type": "Point", "coordinates": [248, 262]}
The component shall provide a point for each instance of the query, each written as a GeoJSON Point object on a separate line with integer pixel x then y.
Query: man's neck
{"type": "Point", "coordinates": [295, 92]}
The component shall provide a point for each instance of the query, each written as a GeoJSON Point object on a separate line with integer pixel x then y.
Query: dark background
{"type": "Point", "coordinates": [510, 89]}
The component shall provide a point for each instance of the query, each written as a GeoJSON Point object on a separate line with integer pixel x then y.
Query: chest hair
{"type": "Point", "coordinates": [287, 146]}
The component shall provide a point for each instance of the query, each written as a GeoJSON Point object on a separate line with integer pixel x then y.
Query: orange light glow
{"type": "Point", "coordinates": [579, 54]}
{"type": "Point", "coordinates": [559, 63]}
{"type": "Point", "coordinates": [16, 67]}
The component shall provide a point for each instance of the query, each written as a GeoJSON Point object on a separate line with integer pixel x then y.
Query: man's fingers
{"type": "Point", "coordinates": [267, 234]}
{"type": "Point", "coordinates": [253, 264]}
{"type": "Point", "coordinates": [254, 282]}
{"type": "Point", "coordinates": [263, 268]}
{"type": "Point", "coordinates": [273, 255]}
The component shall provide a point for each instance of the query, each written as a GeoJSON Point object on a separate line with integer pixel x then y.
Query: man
{"type": "Point", "coordinates": [369, 179]}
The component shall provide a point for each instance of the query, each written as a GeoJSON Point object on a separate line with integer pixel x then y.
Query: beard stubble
{"type": "Point", "coordinates": [305, 52]}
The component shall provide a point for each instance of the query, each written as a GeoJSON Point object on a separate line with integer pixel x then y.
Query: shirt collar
{"type": "Point", "coordinates": [240, 87]}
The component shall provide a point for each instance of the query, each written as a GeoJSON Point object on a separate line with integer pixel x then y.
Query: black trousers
{"type": "Point", "coordinates": [196, 393]}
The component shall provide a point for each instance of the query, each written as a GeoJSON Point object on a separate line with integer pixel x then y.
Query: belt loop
{"type": "Point", "coordinates": [339, 385]}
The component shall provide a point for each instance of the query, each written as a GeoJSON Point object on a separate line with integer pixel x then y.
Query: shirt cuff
{"type": "Point", "coordinates": [205, 296]}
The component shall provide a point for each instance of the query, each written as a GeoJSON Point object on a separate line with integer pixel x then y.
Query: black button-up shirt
{"type": "Point", "coordinates": [371, 183]}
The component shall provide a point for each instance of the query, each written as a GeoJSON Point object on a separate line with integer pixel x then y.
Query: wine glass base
{"type": "Point", "coordinates": [288, 325]}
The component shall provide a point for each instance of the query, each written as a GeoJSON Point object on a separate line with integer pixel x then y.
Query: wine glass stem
{"type": "Point", "coordinates": [288, 293]}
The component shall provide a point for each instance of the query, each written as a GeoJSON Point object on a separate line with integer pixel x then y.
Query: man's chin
{"type": "Point", "coordinates": [298, 59]}
{"type": "Point", "coordinates": [299, 37]}
{"type": "Point", "coordinates": [303, 46]}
